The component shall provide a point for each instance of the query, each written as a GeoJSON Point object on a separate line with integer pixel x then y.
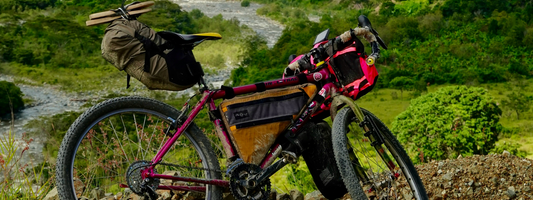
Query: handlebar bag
{"type": "Point", "coordinates": [255, 121]}
{"type": "Point", "coordinates": [351, 70]}
{"type": "Point", "coordinates": [137, 49]}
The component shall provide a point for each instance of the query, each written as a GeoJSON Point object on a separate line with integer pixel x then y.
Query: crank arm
{"type": "Point", "coordinates": [271, 170]}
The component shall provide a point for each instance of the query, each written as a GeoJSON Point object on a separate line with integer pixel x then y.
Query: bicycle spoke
{"type": "Point", "coordinates": [118, 139]}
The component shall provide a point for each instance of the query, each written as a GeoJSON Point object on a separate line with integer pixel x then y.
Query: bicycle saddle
{"type": "Point", "coordinates": [185, 39]}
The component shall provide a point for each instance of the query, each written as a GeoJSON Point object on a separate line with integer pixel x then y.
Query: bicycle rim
{"type": "Point", "coordinates": [112, 142]}
{"type": "Point", "coordinates": [392, 176]}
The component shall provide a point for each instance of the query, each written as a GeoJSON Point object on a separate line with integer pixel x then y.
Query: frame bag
{"type": "Point", "coordinates": [255, 121]}
{"type": "Point", "coordinates": [150, 57]}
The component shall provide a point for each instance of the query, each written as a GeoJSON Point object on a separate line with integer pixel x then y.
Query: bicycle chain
{"type": "Point", "coordinates": [198, 168]}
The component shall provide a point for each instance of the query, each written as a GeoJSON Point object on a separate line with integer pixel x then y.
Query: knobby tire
{"type": "Point", "coordinates": [346, 129]}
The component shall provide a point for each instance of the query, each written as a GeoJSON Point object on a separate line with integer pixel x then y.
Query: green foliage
{"type": "Point", "coordinates": [21, 5]}
{"type": "Point", "coordinates": [451, 121]}
{"type": "Point", "coordinates": [55, 46]}
{"type": "Point", "coordinates": [434, 42]}
{"type": "Point", "coordinates": [518, 101]}
{"type": "Point", "coordinates": [511, 147]}
{"type": "Point", "coordinates": [245, 3]}
{"type": "Point", "coordinates": [10, 97]}
{"type": "Point", "coordinates": [402, 83]}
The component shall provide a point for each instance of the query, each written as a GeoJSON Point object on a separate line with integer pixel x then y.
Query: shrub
{"type": "Point", "coordinates": [245, 3]}
{"type": "Point", "coordinates": [10, 97]}
{"type": "Point", "coordinates": [451, 121]}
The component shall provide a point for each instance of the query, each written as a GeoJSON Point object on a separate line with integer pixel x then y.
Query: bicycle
{"type": "Point", "coordinates": [121, 143]}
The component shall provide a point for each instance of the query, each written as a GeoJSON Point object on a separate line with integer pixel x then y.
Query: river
{"type": "Point", "coordinates": [270, 29]}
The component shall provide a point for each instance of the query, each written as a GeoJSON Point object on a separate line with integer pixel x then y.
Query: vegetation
{"type": "Point", "coordinates": [434, 42]}
{"type": "Point", "coordinates": [52, 44]}
{"type": "Point", "coordinates": [245, 3]}
{"type": "Point", "coordinates": [452, 121]}
{"type": "Point", "coordinates": [10, 97]}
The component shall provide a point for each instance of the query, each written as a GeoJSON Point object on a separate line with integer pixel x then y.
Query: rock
{"type": "Point", "coordinates": [97, 193]}
{"type": "Point", "coordinates": [447, 176]}
{"type": "Point", "coordinates": [118, 196]}
{"type": "Point", "coordinates": [506, 153]}
{"type": "Point", "coordinates": [52, 195]}
{"type": "Point", "coordinates": [164, 195]}
{"type": "Point", "coordinates": [296, 195]}
{"type": "Point", "coordinates": [316, 195]}
{"type": "Point", "coordinates": [511, 192]}
{"type": "Point", "coordinates": [283, 196]}
{"type": "Point", "coordinates": [194, 195]}
{"type": "Point", "coordinates": [79, 186]}
{"type": "Point", "coordinates": [108, 198]}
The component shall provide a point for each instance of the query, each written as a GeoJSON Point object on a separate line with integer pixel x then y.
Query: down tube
{"type": "Point", "coordinates": [197, 108]}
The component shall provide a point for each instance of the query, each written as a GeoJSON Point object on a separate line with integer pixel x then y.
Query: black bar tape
{"type": "Point", "coordinates": [261, 87]}
{"type": "Point", "coordinates": [230, 93]}
{"type": "Point", "coordinates": [302, 78]}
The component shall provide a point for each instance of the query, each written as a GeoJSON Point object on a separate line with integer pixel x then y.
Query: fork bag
{"type": "Point", "coordinates": [255, 121]}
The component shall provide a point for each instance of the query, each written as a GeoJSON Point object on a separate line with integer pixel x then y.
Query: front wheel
{"type": "Point", "coordinates": [366, 172]}
{"type": "Point", "coordinates": [107, 139]}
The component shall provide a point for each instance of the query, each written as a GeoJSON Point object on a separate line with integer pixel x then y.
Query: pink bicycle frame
{"type": "Point", "coordinates": [209, 98]}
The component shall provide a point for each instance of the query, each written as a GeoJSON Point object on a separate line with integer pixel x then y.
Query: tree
{"type": "Point", "coordinates": [10, 97]}
{"type": "Point", "coordinates": [517, 101]}
{"type": "Point", "coordinates": [455, 120]}
{"type": "Point", "coordinates": [402, 83]}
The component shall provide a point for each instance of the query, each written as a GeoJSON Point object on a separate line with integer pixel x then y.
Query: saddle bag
{"type": "Point", "coordinates": [351, 70]}
{"type": "Point", "coordinates": [150, 57]}
{"type": "Point", "coordinates": [255, 121]}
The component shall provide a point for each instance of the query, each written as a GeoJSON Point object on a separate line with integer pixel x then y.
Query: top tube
{"type": "Point", "coordinates": [278, 83]}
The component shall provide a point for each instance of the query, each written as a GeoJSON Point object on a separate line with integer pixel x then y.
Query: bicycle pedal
{"type": "Point", "coordinates": [290, 157]}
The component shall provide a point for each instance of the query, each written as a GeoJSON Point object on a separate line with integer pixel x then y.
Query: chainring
{"type": "Point", "coordinates": [242, 172]}
{"type": "Point", "coordinates": [135, 180]}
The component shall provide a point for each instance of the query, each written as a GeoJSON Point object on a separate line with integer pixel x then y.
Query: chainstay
{"type": "Point", "coordinates": [188, 167]}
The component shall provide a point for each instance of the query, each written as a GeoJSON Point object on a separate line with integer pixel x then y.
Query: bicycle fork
{"type": "Point", "coordinates": [372, 132]}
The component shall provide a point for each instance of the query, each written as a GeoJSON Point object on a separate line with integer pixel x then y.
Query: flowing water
{"type": "Point", "coordinates": [270, 29]}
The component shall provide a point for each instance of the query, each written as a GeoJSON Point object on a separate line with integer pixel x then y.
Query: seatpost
{"type": "Point", "coordinates": [202, 84]}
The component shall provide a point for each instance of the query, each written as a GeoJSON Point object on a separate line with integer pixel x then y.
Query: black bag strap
{"type": "Point", "coordinates": [151, 49]}
{"type": "Point", "coordinates": [128, 81]}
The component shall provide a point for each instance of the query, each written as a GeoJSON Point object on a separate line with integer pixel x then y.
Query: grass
{"type": "Point", "coordinates": [21, 180]}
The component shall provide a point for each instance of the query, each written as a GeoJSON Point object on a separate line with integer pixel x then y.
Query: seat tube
{"type": "Point", "coordinates": [221, 132]}
{"type": "Point", "coordinates": [168, 144]}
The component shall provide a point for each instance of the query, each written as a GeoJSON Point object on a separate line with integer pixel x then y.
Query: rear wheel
{"type": "Point", "coordinates": [365, 172]}
{"type": "Point", "coordinates": [108, 138]}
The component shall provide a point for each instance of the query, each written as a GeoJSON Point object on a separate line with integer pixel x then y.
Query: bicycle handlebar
{"type": "Point", "coordinates": [347, 36]}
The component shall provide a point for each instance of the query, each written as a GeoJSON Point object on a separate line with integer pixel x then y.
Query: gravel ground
{"type": "Point", "coordinates": [501, 176]}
